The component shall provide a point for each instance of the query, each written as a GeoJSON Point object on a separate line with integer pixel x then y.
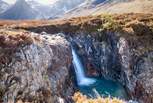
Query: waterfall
{"type": "Point", "coordinates": [79, 70]}
{"type": "Point", "coordinates": [95, 86]}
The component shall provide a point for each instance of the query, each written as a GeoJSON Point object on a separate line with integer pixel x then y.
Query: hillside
{"type": "Point", "coordinates": [112, 7]}
{"type": "Point", "coordinates": [135, 6]}
{"type": "Point", "coordinates": [19, 11]}
{"type": "Point", "coordinates": [4, 6]}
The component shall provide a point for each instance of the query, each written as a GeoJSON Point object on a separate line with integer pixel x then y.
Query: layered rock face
{"type": "Point", "coordinates": [136, 60]}
{"type": "Point", "coordinates": [125, 56]}
{"type": "Point", "coordinates": [99, 54]}
{"type": "Point", "coordinates": [34, 68]}
{"type": "Point", "coordinates": [117, 56]}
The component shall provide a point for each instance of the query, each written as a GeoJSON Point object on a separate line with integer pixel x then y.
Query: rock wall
{"type": "Point", "coordinates": [37, 71]}
{"type": "Point", "coordinates": [120, 56]}
{"type": "Point", "coordinates": [100, 56]}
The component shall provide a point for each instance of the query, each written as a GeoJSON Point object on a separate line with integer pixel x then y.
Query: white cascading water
{"type": "Point", "coordinates": [82, 80]}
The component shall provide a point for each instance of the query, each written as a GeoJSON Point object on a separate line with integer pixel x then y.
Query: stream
{"type": "Point", "coordinates": [95, 86]}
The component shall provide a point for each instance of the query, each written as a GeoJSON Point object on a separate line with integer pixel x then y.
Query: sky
{"type": "Point", "coordinates": [45, 2]}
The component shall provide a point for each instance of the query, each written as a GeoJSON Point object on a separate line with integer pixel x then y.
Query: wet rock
{"type": "Point", "coordinates": [91, 71]}
{"type": "Point", "coordinates": [35, 72]}
{"type": "Point", "coordinates": [120, 56]}
{"type": "Point", "coordinates": [100, 57]}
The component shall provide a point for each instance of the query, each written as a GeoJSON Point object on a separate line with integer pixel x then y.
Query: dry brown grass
{"type": "Point", "coordinates": [79, 98]}
{"type": "Point", "coordinates": [13, 39]}
{"type": "Point", "coordinates": [79, 23]}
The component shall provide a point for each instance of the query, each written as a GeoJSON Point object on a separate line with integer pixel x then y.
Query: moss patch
{"type": "Point", "coordinates": [109, 23]}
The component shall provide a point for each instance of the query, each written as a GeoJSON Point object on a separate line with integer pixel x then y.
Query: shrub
{"type": "Point", "coordinates": [109, 23]}
{"type": "Point", "coordinates": [79, 98]}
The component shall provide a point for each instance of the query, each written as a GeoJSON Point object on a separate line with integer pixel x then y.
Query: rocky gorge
{"type": "Point", "coordinates": [36, 59]}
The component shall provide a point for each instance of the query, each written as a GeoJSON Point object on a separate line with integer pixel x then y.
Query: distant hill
{"type": "Point", "coordinates": [31, 9]}
{"type": "Point", "coordinates": [112, 6]}
{"type": "Point", "coordinates": [126, 6]}
{"type": "Point", "coordinates": [63, 6]}
{"type": "Point", "coordinates": [44, 10]}
{"type": "Point", "coordinates": [19, 11]}
{"type": "Point", "coordinates": [3, 6]}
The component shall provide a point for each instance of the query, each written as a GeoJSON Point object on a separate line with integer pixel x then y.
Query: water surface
{"type": "Point", "coordinates": [105, 88]}
{"type": "Point", "coordinates": [88, 86]}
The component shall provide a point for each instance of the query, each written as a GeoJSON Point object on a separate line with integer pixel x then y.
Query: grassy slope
{"type": "Point", "coordinates": [135, 6]}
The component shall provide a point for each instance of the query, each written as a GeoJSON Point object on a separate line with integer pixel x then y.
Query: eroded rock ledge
{"type": "Point", "coordinates": [34, 68]}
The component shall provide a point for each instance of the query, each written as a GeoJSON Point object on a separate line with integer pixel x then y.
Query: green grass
{"type": "Point", "coordinates": [108, 23]}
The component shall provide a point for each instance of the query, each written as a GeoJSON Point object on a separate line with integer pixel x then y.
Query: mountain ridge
{"type": "Point", "coordinates": [71, 8]}
{"type": "Point", "coordinates": [4, 6]}
{"type": "Point", "coordinates": [20, 10]}
{"type": "Point", "coordinates": [113, 7]}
